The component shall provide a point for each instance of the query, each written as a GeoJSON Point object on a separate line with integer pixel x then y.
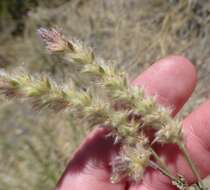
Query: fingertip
{"type": "Point", "coordinates": [171, 79]}
{"type": "Point", "coordinates": [183, 64]}
{"type": "Point", "coordinates": [198, 124]}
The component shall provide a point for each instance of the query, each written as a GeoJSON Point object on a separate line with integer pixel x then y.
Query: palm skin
{"type": "Point", "coordinates": [172, 80]}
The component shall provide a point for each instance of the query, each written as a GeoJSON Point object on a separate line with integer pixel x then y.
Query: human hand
{"type": "Point", "coordinates": [172, 80]}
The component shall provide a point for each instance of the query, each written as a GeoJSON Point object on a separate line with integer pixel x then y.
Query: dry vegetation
{"type": "Point", "coordinates": [33, 148]}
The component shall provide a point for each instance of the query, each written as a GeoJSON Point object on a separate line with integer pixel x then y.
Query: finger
{"type": "Point", "coordinates": [197, 140]}
{"type": "Point", "coordinates": [173, 91]}
{"type": "Point", "coordinates": [89, 169]}
{"type": "Point", "coordinates": [90, 166]}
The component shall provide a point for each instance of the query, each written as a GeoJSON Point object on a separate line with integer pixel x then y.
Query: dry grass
{"type": "Point", "coordinates": [135, 33]}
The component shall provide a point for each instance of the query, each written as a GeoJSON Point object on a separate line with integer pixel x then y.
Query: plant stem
{"type": "Point", "coordinates": [162, 170]}
{"type": "Point", "coordinates": [161, 166]}
{"type": "Point", "coordinates": [176, 181]}
{"type": "Point", "coordinates": [192, 165]}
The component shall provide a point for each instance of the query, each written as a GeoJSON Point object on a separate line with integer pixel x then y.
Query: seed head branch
{"type": "Point", "coordinates": [125, 109]}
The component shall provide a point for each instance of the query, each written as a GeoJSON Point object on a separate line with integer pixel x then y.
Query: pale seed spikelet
{"type": "Point", "coordinates": [98, 113]}
{"type": "Point", "coordinates": [55, 40]}
{"type": "Point", "coordinates": [123, 129]}
{"type": "Point", "coordinates": [72, 50]}
{"type": "Point", "coordinates": [131, 162]}
{"type": "Point", "coordinates": [79, 53]}
{"type": "Point", "coordinates": [43, 92]}
{"type": "Point", "coordinates": [170, 133]}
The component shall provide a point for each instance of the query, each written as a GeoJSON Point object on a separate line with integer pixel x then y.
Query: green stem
{"type": "Point", "coordinates": [162, 170]}
{"type": "Point", "coordinates": [162, 164]}
{"type": "Point", "coordinates": [192, 165]}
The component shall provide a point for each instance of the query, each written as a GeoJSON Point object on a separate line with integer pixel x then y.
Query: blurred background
{"type": "Point", "coordinates": [35, 147]}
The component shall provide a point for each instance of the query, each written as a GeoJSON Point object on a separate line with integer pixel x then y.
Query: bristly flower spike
{"type": "Point", "coordinates": [119, 106]}
{"type": "Point", "coordinates": [55, 40]}
{"type": "Point", "coordinates": [72, 50]}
